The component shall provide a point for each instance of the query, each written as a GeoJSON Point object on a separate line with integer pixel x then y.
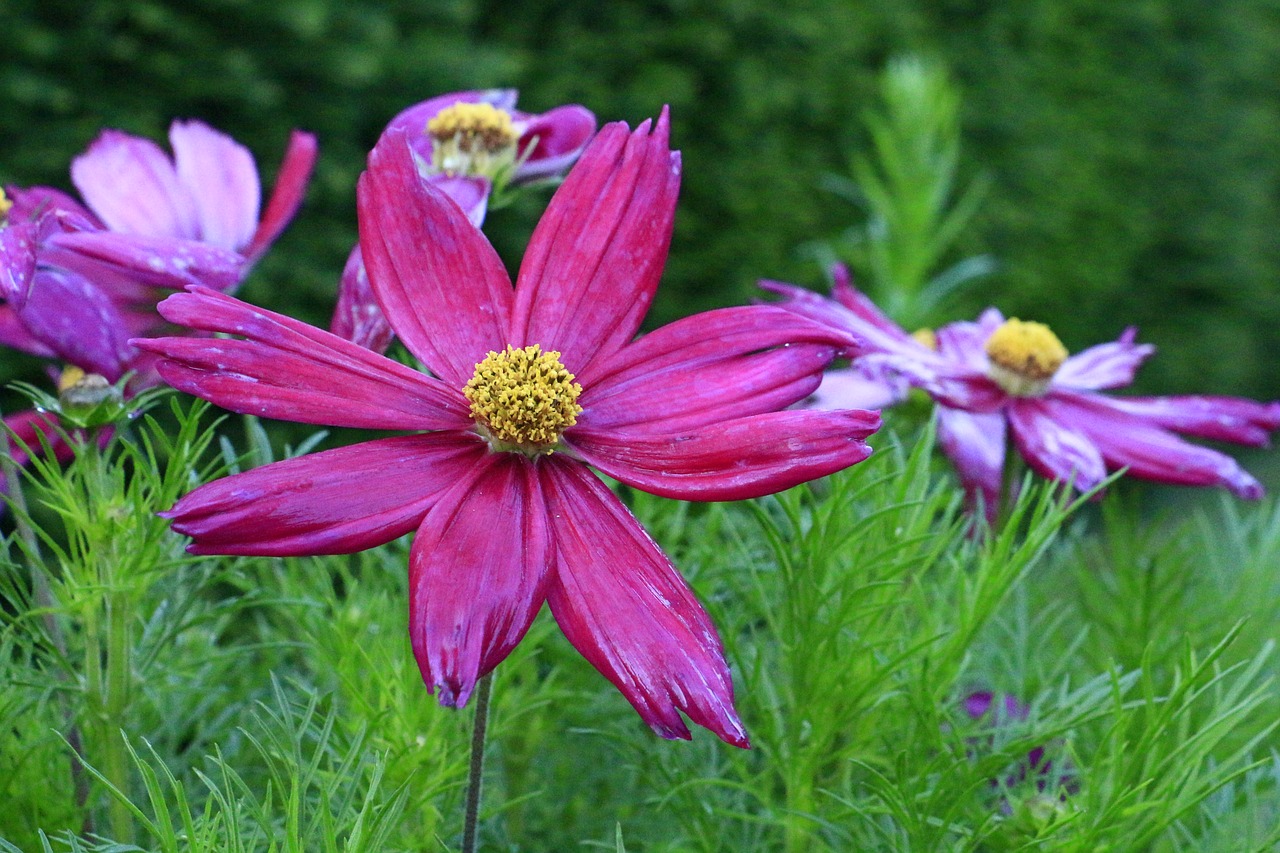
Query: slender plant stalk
{"type": "Point", "coordinates": [43, 596]}
{"type": "Point", "coordinates": [476, 774]}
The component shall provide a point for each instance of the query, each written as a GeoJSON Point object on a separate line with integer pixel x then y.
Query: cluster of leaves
{"type": "Point", "coordinates": [274, 703]}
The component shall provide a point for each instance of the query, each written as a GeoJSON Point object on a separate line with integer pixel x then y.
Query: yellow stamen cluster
{"type": "Point", "coordinates": [472, 139]}
{"type": "Point", "coordinates": [926, 338]}
{"type": "Point", "coordinates": [5, 206]}
{"type": "Point", "coordinates": [523, 398]}
{"type": "Point", "coordinates": [1024, 356]}
{"type": "Point", "coordinates": [70, 376]}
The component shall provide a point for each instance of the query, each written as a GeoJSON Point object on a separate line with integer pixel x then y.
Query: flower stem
{"type": "Point", "coordinates": [475, 775]}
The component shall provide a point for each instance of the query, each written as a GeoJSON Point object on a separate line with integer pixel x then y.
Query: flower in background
{"type": "Point", "coordinates": [471, 146]}
{"type": "Point", "coordinates": [77, 281]}
{"type": "Point", "coordinates": [526, 389]}
{"type": "Point", "coordinates": [995, 378]}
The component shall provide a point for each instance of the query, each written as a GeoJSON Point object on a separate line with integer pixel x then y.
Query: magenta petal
{"type": "Point", "coordinates": [69, 315]}
{"type": "Point", "coordinates": [286, 198]}
{"type": "Point", "coordinates": [17, 259]}
{"type": "Point", "coordinates": [477, 574]}
{"type": "Point", "coordinates": [558, 137]}
{"type": "Point", "coordinates": [28, 427]}
{"type": "Point", "coordinates": [357, 316]}
{"type": "Point", "coordinates": [1111, 365]}
{"type": "Point", "coordinates": [442, 286]}
{"type": "Point", "coordinates": [33, 202]}
{"type": "Point", "coordinates": [166, 262]}
{"type": "Point", "coordinates": [594, 260]}
{"type": "Point", "coordinates": [1053, 446]}
{"type": "Point", "coordinates": [222, 181]}
{"type": "Point", "coordinates": [1217, 418]}
{"type": "Point", "coordinates": [852, 388]}
{"type": "Point", "coordinates": [133, 187]}
{"type": "Point", "coordinates": [868, 329]}
{"type": "Point", "coordinates": [291, 371]}
{"type": "Point", "coordinates": [735, 460]}
{"type": "Point", "coordinates": [975, 443]}
{"type": "Point", "coordinates": [710, 367]}
{"type": "Point", "coordinates": [14, 335]}
{"type": "Point", "coordinates": [1150, 452]}
{"type": "Point", "coordinates": [622, 605]}
{"type": "Point", "coordinates": [335, 502]}
{"type": "Point", "coordinates": [469, 193]}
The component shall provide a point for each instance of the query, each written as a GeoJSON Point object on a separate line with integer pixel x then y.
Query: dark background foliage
{"type": "Point", "coordinates": [1132, 146]}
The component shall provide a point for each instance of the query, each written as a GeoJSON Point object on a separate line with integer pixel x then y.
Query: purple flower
{"type": "Point", "coordinates": [995, 378]}
{"type": "Point", "coordinates": [468, 145]}
{"type": "Point", "coordinates": [527, 388]}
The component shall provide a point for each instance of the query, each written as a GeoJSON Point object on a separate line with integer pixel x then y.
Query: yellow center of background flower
{"type": "Point", "coordinates": [1024, 356]}
{"type": "Point", "coordinates": [926, 338]}
{"type": "Point", "coordinates": [524, 398]}
{"type": "Point", "coordinates": [5, 207]}
{"type": "Point", "coordinates": [472, 139]}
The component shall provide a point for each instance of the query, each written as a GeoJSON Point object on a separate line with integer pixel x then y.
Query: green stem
{"type": "Point", "coordinates": [475, 779]}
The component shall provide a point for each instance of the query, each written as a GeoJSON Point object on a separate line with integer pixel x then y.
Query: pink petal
{"type": "Point", "coordinates": [131, 184]}
{"type": "Point", "coordinates": [735, 460]}
{"type": "Point", "coordinates": [477, 574]}
{"type": "Point", "coordinates": [357, 316]}
{"type": "Point", "coordinates": [18, 244]}
{"type": "Point", "coordinates": [14, 335]}
{"type": "Point", "coordinates": [28, 427]}
{"type": "Point", "coordinates": [558, 137]}
{"type": "Point", "coordinates": [965, 342]}
{"type": "Point", "coordinates": [291, 371]}
{"type": "Point", "coordinates": [852, 388]}
{"type": "Point", "coordinates": [286, 198]}
{"type": "Point", "coordinates": [622, 605]}
{"type": "Point", "coordinates": [1055, 446]}
{"type": "Point", "coordinates": [69, 315]}
{"type": "Point", "coordinates": [222, 181]}
{"type": "Point", "coordinates": [335, 502]}
{"type": "Point", "coordinates": [1110, 365]}
{"type": "Point", "coordinates": [594, 260]}
{"type": "Point", "coordinates": [867, 328]}
{"type": "Point", "coordinates": [412, 121]}
{"type": "Point", "coordinates": [439, 282]}
{"type": "Point", "coordinates": [165, 262]}
{"type": "Point", "coordinates": [975, 443]}
{"type": "Point", "coordinates": [1217, 418]}
{"type": "Point", "coordinates": [710, 367]}
{"type": "Point", "coordinates": [469, 193]}
{"type": "Point", "coordinates": [33, 202]}
{"type": "Point", "coordinates": [1150, 452]}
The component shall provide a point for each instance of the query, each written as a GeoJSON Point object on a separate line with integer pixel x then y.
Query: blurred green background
{"type": "Point", "coordinates": [1131, 146]}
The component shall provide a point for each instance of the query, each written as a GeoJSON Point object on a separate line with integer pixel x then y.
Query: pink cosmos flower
{"type": "Point", "coordinates": [527, 388]}
{"type": "Point", "coordinates": [467, 144]}
{"type": "Point", "coordinates": [997, 378]}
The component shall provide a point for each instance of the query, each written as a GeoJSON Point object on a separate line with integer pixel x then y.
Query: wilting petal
{"type": "Point", "coordinates": [710, 367]}
{"type": "Point", "coordinates": [222, 181]}
{"type": "Point", "coordinates": [291, 184]}
{"type": "Point", "coordinates": [333, 502]}
{"type": "Point", "coordinates": [851, 388]}
{"type": "Point", "coordinates": [33, 202]}
{"type": "Point", "coordinates": [1051, 447]}
{"type": "Point", "coordinates": [1149, 452]}
{"type": "Point", "coordinates": [975, 443]}
{"type": "Point", "coordinates": [1104, 366]}
{"type": "Point", "coordinates": [595, 258]}
{"type": "Point", "coordinates": [165, 262]}
{"type": "Point", "coordinates": [965, 342]}
{"type": "Point", "coordinates": [732, 460]}
{"type": "Point", "coordinates": [357, 316]}
{"type": "Point", "coordinates": [622, 605]}
{"type": "Point", "coordinates": [68, 314]}
{"type": "Point", "coordinates": [557, 136]}
{"type": "Point", "coordinates": [1216, 418]}
{"type": "Point", "coordinates": [477, 574]}
{"type": "Point", "coordinates": [292, 371]}
{"type": "Point", "coordinates": [442, 286]}
{"type": "Point", "coordinates": [131, 184]}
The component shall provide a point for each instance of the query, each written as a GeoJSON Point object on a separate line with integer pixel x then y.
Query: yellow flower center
{"type": "Point", "coordinates": [1024, 356]}
{"type": "Point", "coordinates": [524, 399]}
{"type": "Point", "coordinates": [5, 206]}
{"type": "Point", "coordinates": [472, 139]}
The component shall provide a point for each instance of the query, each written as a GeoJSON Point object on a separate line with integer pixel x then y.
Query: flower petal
{"type": "Point", "coordinates": [975, 443]}
{"type": "Point", "coordinates": [1111, 365]}
{"type": "Point", "coordinates": [853, 388]}
{"type": "Point", "coordinates": [477, 574]}
{"type": "Point", "coordinates": [735, 460]}
{"type": "Point", "coordinates": [69, 315]}
{"type": "Point", "coordinates": [286, 197]}
{"type": "Point", "coordinates": [558, 137]}
{"type": "Point", "coordinates": [722, 364]}
{"type": "Point", "coordinates": [412, 121]}
{"type": "Point", "coordinates": [14, 335]}
{"type": "Point", "coordinates": [291, 371]}
{"type": "Point", "coordinates": [1053, 445]}
{"type": "Point", "coordinates": [357, 316]}
{"type": "Point", "coordinates": [439, 282]}
{"type": "Point", "coordinates": [1147, 450]}
{"type": "Point", "coordinates": [594, 260]}
{"type": "Point", "coordinates": [1217, 418]}
{"type": "Point", "coordinates": [133, 187]}
{"type": "Point", "coordinates": [334, 502]}
{"type": "Point", "coordinates": [166, 262]}
{"type": "Point", "coordinates": [222, 181]}
{"type": "Point", "coordinates": [622, 605]}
